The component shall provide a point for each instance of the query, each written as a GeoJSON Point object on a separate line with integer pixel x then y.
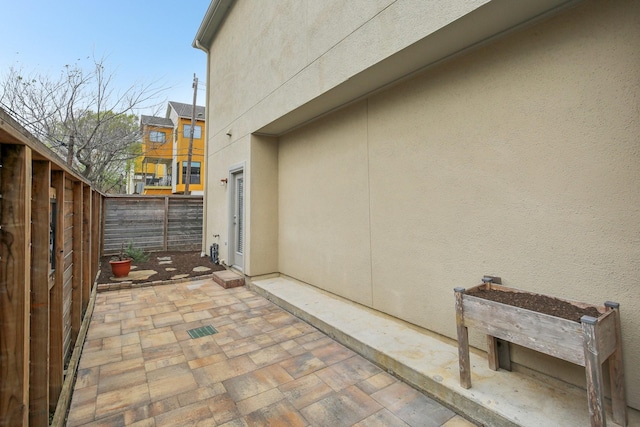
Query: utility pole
{"type": "Point", "coordinates": [193, 125]}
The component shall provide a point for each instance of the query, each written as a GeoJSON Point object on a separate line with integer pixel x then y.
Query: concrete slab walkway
{"type": "Point", "coordinates": [143, 365]}
{"type": "Point", "coordinates": [430, 361]}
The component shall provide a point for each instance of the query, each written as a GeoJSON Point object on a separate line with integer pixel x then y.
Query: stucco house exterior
{"type": "Point", "coordinates": [161, 167]}
{"type": "Point", "coordinates": [389, 151]}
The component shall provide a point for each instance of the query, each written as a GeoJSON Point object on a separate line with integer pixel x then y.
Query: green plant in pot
{"type": "Point", "coordinates": [121, 263]}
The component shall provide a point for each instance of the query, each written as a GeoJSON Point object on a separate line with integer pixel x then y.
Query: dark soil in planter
{"type": "Point", "coordinates": [539, 303]}
{"type": "Point", "coordinates": [182, 263]}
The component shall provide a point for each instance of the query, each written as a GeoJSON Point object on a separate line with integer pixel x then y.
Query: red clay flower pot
{"type": "Point", "coordinates": [120, 268]}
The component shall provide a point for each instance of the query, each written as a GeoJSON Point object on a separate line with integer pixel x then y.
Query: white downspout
{"type": "Point", "coordinates": [206, 156]}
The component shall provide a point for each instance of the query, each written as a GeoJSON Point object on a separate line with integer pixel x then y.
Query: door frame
{"type": "Point", "coordinates": [231, 246]}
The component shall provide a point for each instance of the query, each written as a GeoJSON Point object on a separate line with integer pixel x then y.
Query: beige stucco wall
{"type": "Point", "coordinates": [519, 159]}
{"type": "Point", "coordinates": [223, 153]}
{"type": "Point", "coordinates": [324, 206]}
{"type": "Point", "coordinates": [271, 58]}
{"type": "Point", "coordinates": [262, 235]}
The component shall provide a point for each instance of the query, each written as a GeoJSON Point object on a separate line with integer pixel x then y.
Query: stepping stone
{"type": "Point", "coordinates": [228, 279]}
{"type": "Point", "coordinates": [165, 262]}
{"type": "Point", "coordinates": [179, 276]}
{"type": "Point", "coordinates": [170, 269]}
{"type": "Point", "coordinates": [136, 275]}
{"type": "Point", "coordinates": [201, 268]}
{"type": "Point", "coordinates": [164, 258]}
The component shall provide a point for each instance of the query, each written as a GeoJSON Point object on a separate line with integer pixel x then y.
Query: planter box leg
{"type": "Point", "coordinates": [593, 370]}
{"type": "Point", "coordinates": [463, 342]}
{"type": "Point", "coordinates": [492, 353]}
{"type": "Point", "coordinates": [616, 373]}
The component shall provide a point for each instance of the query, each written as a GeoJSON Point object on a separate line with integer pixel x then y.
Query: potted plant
{"type": "Point", "coordinates": [120, 264]}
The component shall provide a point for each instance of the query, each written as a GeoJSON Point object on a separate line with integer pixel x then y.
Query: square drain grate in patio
{"type": "Point", "coordinates": [202, 331]}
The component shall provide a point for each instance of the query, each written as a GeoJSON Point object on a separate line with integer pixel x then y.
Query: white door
{"type": "Point", "coordinates": [236, 249]}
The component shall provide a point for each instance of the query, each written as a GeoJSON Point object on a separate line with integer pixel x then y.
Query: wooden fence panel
{"type": "Point", "coordinates": [40, 271]}
{"type": "Point", "coordinates": [56, 329]}
{"type": "Point", "coordinates": [68, 264]}
{"type": "Point", "coordinates": [43, 215]}
{"type": "Point", "coordinates": [184, 225]}
{"type": "Point", "coordinates": [153, 223]}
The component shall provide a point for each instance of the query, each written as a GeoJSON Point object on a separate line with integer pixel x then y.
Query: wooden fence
{"type": "Point", "coordinates": [152, 223]}
{"type": "Point", "coordinates": [50, 234]}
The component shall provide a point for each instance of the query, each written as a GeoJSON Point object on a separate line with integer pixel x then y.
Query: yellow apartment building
{"type": "Point", "coordinates": [161, 167]}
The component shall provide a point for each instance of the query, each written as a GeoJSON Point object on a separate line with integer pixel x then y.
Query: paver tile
{"type": "Point", "coordinates": [98, 358]}
{"type": "Point", "coordinates": [122, 340]}
{"type": "Point", "coordinates": [167, 319]}
{"type": "Point", "coordinates": [221, 371]}
{"type": "Point", "coordinates": [259, 401]}
{"type": "Point", "coordinates": [157, 339]}
{"type": "Point", "coordinates": [104, 330]}
{"type": "Point", "coordinates": [412, 406]}
{"type": "Point", "coordinates": [131, 351]}
{"type": "Point", "coordinates": [348, 372]}
{"type": "Point", "coordinates": [329, 351]}
{"type": "Point", "coordinates": [224, 409]}
{"type": "Point", "coordinates": [121, 378]}
{"type": "Point", "coordinates": [136, 324]}
{"type": "Point", "coordinates": [382, 418]}
{"type": "Point", "coordinates": [184, 416]}
{"type": "Point", "coordinates": [158, 407]}
{"type": "Point", "coordinates": [140, 367]}
{"type": "Point", "coordinates": [161, 351]}
{"type": "Point", "coordinates": [197, 315]}
{"type": "Point", "coordinates": [119, 315]}
{"type": "Point", "coordinates": [255, 382]}
{"type": "Point", "coordinates": [458, 421]}
{"type": "Point", "coordinates": [280, 414]}
{"type": "Point", "coordinates": [83, 406]}
{"type": "Point", "coordinates": [269, 355]}
{"type": "Point", "coordinates": [162, 363]}
{"type": "Point", "coordinates": [170, 380]}
{"type": "Point", "coordinates": [306, 390]}
{"type": "Point", "coordinates": [118, 400]}
{"type": "Point", "coordinates": [293, 348]}
{"type": "Point", "coordinates": [201, 393]}
{"type": "Point", "coordinates": [376, 382]}
{"type": "Point", "coordinates": [285, 333]}
{"type": "Point", "coordinates": [302, 365]}
{"type": "Point", "coordinates": [346, 408]}
{"type": "Point", "coordinates": [87, 377]}
{"type": "Point", "coordinates": [156, 310]}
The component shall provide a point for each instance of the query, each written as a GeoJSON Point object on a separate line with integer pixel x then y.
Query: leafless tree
{"type": "Point", "coordinates": [82, 116]}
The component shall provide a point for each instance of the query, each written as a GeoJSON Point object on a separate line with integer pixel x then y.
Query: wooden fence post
{"type": "Point", "coordinates": [165, 239]}
{"type": "Point", "coordinates": [87, 246]}
{"type": "Point", "coordinates": [96, 230]}
{"type": "Point", "coordinates": [15, 282]}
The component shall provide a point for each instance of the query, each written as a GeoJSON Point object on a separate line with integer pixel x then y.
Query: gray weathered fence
{"type": "Point", "coordinates": [153, 223]}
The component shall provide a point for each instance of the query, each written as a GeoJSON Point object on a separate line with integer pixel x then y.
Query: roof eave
{"type": "Point", "coordinates": [211, 22]}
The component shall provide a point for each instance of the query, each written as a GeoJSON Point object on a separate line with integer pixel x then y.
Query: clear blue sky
{"type": "Point", "coordinates": [141, 40]}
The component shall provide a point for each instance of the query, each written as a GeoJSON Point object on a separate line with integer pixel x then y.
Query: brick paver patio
{"type": "Point", "coordinates": [264, 366]}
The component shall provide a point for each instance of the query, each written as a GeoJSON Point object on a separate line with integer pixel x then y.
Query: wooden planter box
{"type": "Point", "coordinates": [588, 343]}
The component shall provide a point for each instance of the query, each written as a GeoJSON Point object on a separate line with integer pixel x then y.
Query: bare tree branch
{"type": "Point", "coordinates": [82, 116]}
